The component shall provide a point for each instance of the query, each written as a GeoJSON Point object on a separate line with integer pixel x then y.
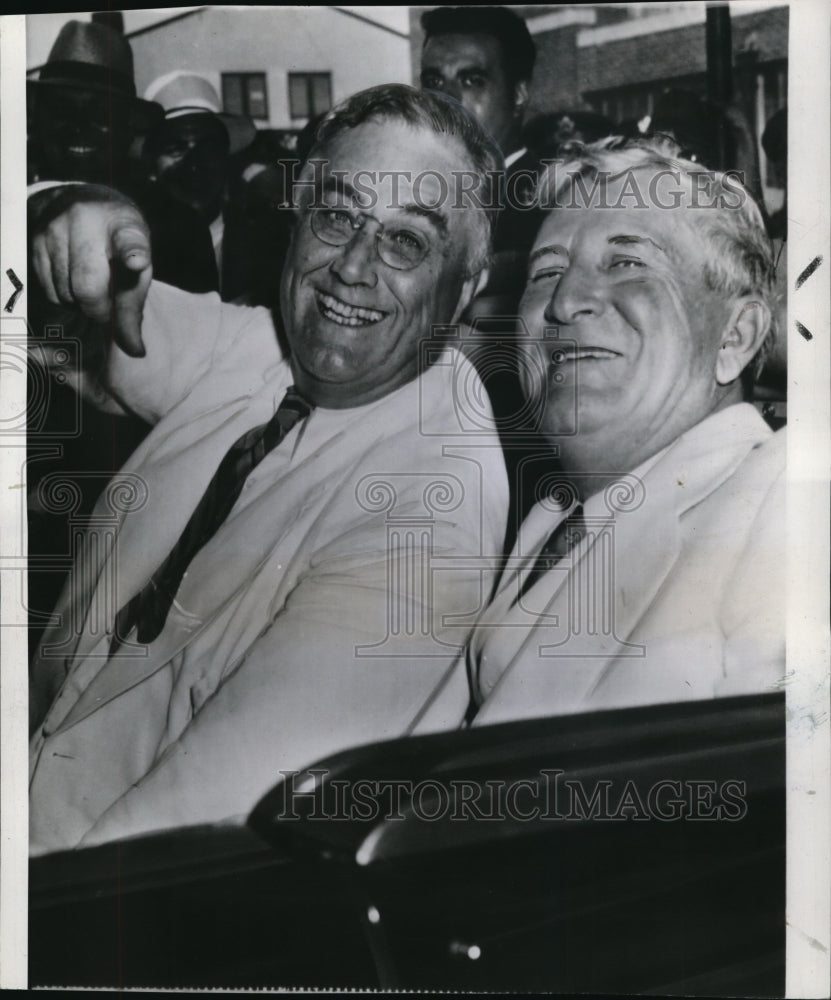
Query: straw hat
{"type": "Point", "coordinates": [183, 93]}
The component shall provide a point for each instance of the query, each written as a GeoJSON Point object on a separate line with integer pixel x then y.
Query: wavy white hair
{"type": "Point", "coordinates": [740, 260]}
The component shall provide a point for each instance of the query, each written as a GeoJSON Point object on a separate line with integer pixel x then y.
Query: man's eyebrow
{"type": "Point", "coordinates": [630, 239]}
{"type": "Point", "coordinates": [432, 215]}
{"type": "Point", "coordinates": [553, 248]}
{"type": "Point", "coordinates": [342, 187]}
{"type": "Point", "coordinates": [339, 186]}
{"type": "Point", "coordinates": [473, 68]}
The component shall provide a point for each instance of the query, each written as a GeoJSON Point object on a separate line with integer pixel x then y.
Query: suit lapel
{"type": "Point", "coordinates": [122, 673]}
{"type": "Point", "coordinates": [211, 587]}
{"type": "Point", "coordinates": [620, 567]}
{"type": "Point", "coordinates": [617, 570]}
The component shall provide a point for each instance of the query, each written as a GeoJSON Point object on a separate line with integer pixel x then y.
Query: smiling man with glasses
{"type": "Point", "coordinates": [380, 255]}
{"type": "Point", "coordinates": [284, 575]}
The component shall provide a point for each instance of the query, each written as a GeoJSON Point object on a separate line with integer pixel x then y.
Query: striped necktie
{"type": "Point", "coordinates": [560, 542]}
{"type": "Point", "coordinates": [148, 610]}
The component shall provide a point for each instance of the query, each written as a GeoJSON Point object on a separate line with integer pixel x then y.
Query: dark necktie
{"type": "Point", "coordinates": [149, 608]}
{"type": "Point", "coordinates": [560, 542]}
{"type": "Point", "coordinates": [557, 546]}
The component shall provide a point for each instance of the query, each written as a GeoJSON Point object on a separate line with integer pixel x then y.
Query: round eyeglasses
{"type": "Point", "coordinates": [402, 249]}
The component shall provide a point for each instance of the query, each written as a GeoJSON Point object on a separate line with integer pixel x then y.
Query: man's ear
{"type": "Point", "coordinates": [470, 289]}
{"type": "Point", "coordinates": [520, 97]}
{"type": "Point", "coordinates": [743, 335]}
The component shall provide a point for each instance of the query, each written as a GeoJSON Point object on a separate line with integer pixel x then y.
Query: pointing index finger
{"type": "Point", "coordinates": [130, 265]}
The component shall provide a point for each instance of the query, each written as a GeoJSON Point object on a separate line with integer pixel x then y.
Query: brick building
{"type": "Point", "coordinates": [624, 67]}
{"type": "Point", "coordinates": [617, 59]}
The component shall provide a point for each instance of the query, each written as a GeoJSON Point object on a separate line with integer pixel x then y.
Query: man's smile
{"type": "Point", "coordinates": [344, 314]}
{"type": "Point", "coordinates": [561, 355]}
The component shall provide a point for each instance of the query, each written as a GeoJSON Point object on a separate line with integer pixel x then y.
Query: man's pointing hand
{"type": "Point", "coordinates": [96, 255]}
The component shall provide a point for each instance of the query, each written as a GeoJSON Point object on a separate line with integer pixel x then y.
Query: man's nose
{"type": "Point", "coordinates": [452, 89]}
{"type": "Point", "coordinates": [358, 259]}
{"type": "Point", "coordinates": [75, 126]}
{"type": "Point", "coordinates": [576, 296]}
{"type": "Point", "coordinates": [191, 157]}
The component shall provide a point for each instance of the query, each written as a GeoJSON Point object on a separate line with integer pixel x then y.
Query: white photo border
{"type": "Point", "coordinates": [809, 499]}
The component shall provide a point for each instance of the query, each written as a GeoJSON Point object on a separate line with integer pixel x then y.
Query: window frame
{"type": "Point", "coordinates": [307, 76]}
{"type": "Point", "coordinates": [243, 78]}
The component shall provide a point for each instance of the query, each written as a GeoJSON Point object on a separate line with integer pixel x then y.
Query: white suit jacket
{"type": "Point", "coordinates": [675, 593]}
{"type": "Point", "coordinates": [318, 616]}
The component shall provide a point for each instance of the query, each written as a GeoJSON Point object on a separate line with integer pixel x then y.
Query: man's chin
{"type": "Point", "coordinates": [333, 370]}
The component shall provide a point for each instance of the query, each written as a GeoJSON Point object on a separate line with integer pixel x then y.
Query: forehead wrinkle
{"type": "Point", "coordinates": [677, 256]}
{"type": "Point", "coordinates": [348, 195]}
{"type": "Point", "coordinates": [631, 239]}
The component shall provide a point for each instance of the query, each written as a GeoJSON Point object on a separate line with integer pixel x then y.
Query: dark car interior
{"type": "Point", "coordinates": [663, 873]}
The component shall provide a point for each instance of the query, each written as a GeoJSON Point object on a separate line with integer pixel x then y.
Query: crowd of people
{"type": "Point", "coordinates": [460, 438]}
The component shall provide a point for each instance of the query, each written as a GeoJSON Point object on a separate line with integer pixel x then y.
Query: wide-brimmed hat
{"type": "Point", "coordinates": [182, 93]}
{"type": "Point", "coordinates": [92, 57]}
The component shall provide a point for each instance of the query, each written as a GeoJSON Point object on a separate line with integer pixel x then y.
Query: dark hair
{"type": "Point", "coordinates": [439, 113]}
{"type": "Point", "coordinates": [518, 50]}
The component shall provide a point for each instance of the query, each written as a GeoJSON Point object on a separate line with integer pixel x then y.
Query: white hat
{"type": "Point", "coordinates": [184, 93]}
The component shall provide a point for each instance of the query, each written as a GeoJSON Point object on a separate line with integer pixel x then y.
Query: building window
{"type": "Point", "coordinates": [632, 102]}
{"type": "Point", "coordinates": [245, 94]}
{"type": "Point", "coordinates": [310, 94]}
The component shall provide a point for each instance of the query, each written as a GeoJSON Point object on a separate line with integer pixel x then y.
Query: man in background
{"type": "Point", "coordinates": [83, 117]}
{"type": "Point", "coordinates": [484, 58]}
{"type": "Point", "coordinates": [192, 155]}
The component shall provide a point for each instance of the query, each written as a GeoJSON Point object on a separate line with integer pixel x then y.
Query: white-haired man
{"type": "Point", "coordinates": [651, 570]}
{"type": "Point", "coordinates": [280, 584]}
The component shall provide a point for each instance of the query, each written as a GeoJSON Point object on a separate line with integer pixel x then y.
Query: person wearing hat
{"type": "Point", "coordinates": [188, 155]}
{"type": "Point", "coordinates": [83, 116]}
{"type": "Point", "coordinates": [83, 107]}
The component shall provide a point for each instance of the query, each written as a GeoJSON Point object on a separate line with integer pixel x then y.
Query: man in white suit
{"type": "Point", "coordinates": [271, 576]}
{"type": "Point", "coordinates": [652, 569]}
